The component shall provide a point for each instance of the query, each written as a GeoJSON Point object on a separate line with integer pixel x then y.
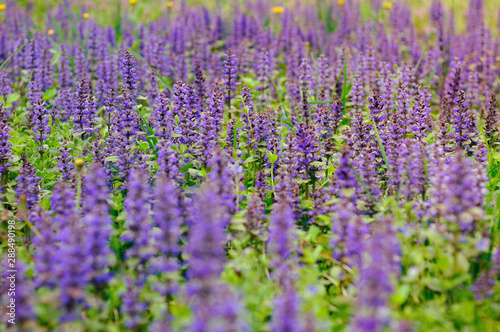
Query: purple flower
{"type": "Point", "coordinates": [230, 71]}
{"type": "Point", "coordinates": [214, 306]}
{"type": "Point", "coordinates": [84, 108]}
{"type": "Point", "coordinates": [491, 121]}
{"type": "Point", "coordinates": [98, 225]}
{"type": "Point", "coordinates": [41, 119]}
{"type": "Point", "coordinates": [28, 184]}
{"type": "Point", "coordinates": [138, 223]}
{"type": "Point", "coordinates": [5, 146]}
{"type": "Point", "coordinates": [66, 165]}
{"type": "Point", "coordinates": [162, 116]}
{"type": "Point", "coordinates": [380, 264]}
{"type": "Point", "coordinates": [129, 73]}
{"type": "Point", "coordinates": [282, 238]}
{"type": "Point", "coordinates": [286, 314]}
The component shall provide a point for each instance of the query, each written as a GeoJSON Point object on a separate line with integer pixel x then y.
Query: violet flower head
{"type": "Point", "coordinates": [66, 165]}
{"type": "Point", "coordinates": [349, 233]}
{"type": "Point", "coordinates": [84, 108]}
{"type": "Point", "coordinates": [380, 264]}
{"type": "Point", "coordinates": [200, 84]}
{"type": "Point", "coordinates": [138, 223]}
{"type": "Point", "coordinates": [456, 194]}
{"type": "Point", "coordinates": [357, 93]}
{"type": "Point", "coordinates": [28, 184]}
{"type": "Point", "coordinates": [282, 238]}
{"type": "Point", "coordinates": [263, 70]}
{"type": "Point", "coordinates": [286, 313]}
{"type": "Point", "coordinates": [491, 121]}
{"type": "Point", "coordinates": [5, 144]}
{"type": "Point", "coordinates": [162, 116]}
{"type": "Point", "coordinates": [41, 120]}
{"type": "Point", "coordinates": [73, 276]}
{"type": "Point", "coordinates": [206, 238]}
{"type": "Point", "coordinates": [168, 160]}
{"type": "Point", "coordinates": [214, 306]}
{"type": "Point", "coordinates": [98, 225]}
{"type": "Point", "coordinates": [133, 307]}
{"type": "Point", "coordinates": [45, 250]}
{"type": "Point", "coordinates": [230, 78]}
{"type": "Point", "coordinates": [167, 216]}
{"type": "Point", "coordinates": [464, 126]}
{"type": "Point", "coordinates": [129, 73]}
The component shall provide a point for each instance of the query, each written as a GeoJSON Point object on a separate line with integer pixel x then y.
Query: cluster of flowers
{"type": "Point", "coordinates": [222, 170]}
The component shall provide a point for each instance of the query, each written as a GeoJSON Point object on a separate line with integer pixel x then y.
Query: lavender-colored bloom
{"type": "Point", "coordinates": [167, 216]}
{"type": "Point", "coordinates": [491, 121]}
{"type": "Point", "coordinates": [127, 121]}
{"type": "Point", "coordinates": [5, 145]}
{"type": "Point", "coordinates": [138, 223]}
{"type": "Point", "coordinates": [84, 108]}
{"type": "Point", "coordinates": [286, 314]}
{"type": "Point", "coordinates": [45, 242]}
{"type": "Point", "coordinates": [5, 86]}
{"type": "Point", "coordinates": [456, 194]}
{"type": "Point", "coordinates": [133, 307]}
{"type": "Point", "coordinates": [216, 108]}
{"type": "Point", "coordinates": [437, 13]}
{"type": "Point", "coordinates": [380, 263]}
{"type": "Point", "coordinates": [41, 127]}
{"type": "Point", "coordinates": [463, 121]}
{"type": "Point", "coordinates": [72, 274]}
{"type": "Point", "coordinates": [28, 184]}
{"type": "Point", "coordinates": [377, 108]}
{"type": "Point", "coordinates": [97, 223]}
{"type": "Point", "coordinates": [247, 100]}
{"type": "Point", "coordinates": [230, 77]}
{"type": "Point", "coordinates": [162, 116]}
{"type": "Point", "coordinates": [129, 73]}
{"type": "Point", "coordinates": [199, 82]}
{"type": "Point", "coordinates": [282, 237]}
{"type": "Point", "coordinates": [420, 117]}
{"type": "Point", "coordinates": [214, 306]}
{"type": "Point", "coordinates": [307, 149]}
{"type": "Point", "coordinates": [346, 178]}
{"type": "Point", "coordinates": [66, 165]}
{"type": "Point", "coordinates": [263, 70]}
{"type": "Point", "coordinates": [348, 233]}
{"type": "Point", "coordinates": [168, 160]}
{"type": "Point", "coordinates": [206, 238]}
{"type": "Point", "coordinates": [357, 93]}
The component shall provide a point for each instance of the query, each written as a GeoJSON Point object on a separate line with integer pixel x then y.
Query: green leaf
{"type": "Point", "coordinates": [186, 167]}
{"type": "Point", "coordinates": [401, 294]}
{"type": "Point", "coordinates": [249, 160]}
{"type": "Point", "coordinates": [273, 157]}
{"type": "Point", "coordinates": [12, 98]}
{"type": "Point", "coordinates": [112, 159]}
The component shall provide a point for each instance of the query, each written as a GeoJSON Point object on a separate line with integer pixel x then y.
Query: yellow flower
{"type": "Point", "coordinates": [79, 163]}
{"type": "Point", "coordinates": [169, 4]}
{"type": "Point", "coordinates": [277, 10]}
{"type": "Point", "coordinates": [2, 7]}
{"type": "Point", "coordinates": [86, 16]}
{"type": "Point", "coordinates": [386, 5]}
{"type": "Point", "coordinates": [50, 32]}
{"type": "Point", "coordinates": [340, 2]}
{"type": "Point", "coordinates": [132, 2]}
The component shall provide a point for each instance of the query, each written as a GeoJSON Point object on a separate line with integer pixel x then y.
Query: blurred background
{"type": "Point", "coordinates": [106, 11]}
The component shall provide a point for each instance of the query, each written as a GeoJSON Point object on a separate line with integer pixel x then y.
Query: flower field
{"type": "Point", "coordinates": [249, 166]}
